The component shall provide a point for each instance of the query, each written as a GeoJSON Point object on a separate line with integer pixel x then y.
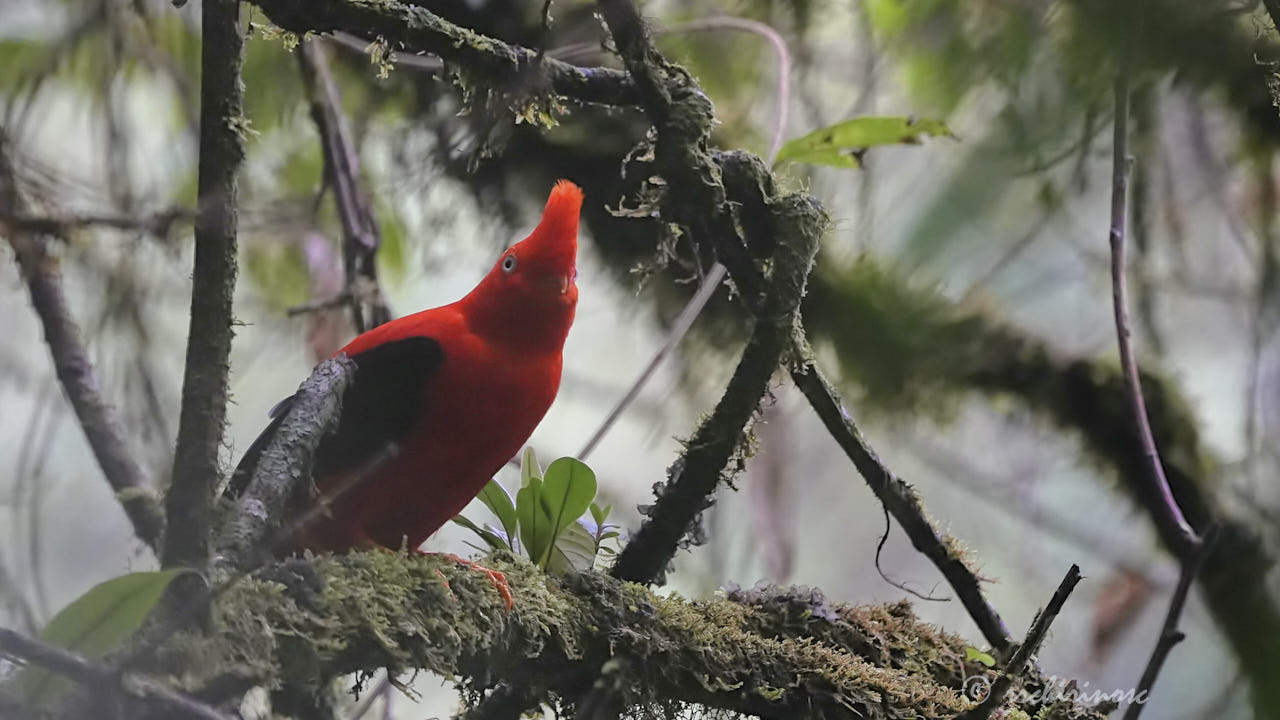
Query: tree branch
{"type": "Point", "coordinates": [1167, 512]}
{"type": "Point", "coordinates": [778, 653]}
{"type": "Point", "coordinates": [159, 223]}
{"type": "Point", "coordinates": [1030, 646]}
{"type": "Point", "coordinates": [98, 419]}
{"type": "Point", "coordinates": [196, 469]}
{"type": "Point", "coordinates": [418, 29]}
{"type": "Point", "coordinates": [154, 697]}
{"type": "Point", "coordinates": [698, 472]}
{"type": "Point", "coordinates": [281, 477]}
{"type": "Point", "coordinates": [1170, 635]}
{"type": "Point", "coordinates": [682, 116]}
{"type": "Point", "coordinates": [360, 235]}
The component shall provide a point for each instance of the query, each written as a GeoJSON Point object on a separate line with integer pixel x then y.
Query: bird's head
{"type": "Point", "coordinates": [543, 265]}
{"type": "Point", "coordinates": [532, 288]}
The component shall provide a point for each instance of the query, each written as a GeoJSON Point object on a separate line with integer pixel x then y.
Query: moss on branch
{"type": "Point", "coordinates": [498, 64]}
{"type": "Point", "coordinates": [775, 653]}
{"type": "Point", "coordinates": [911, 347]}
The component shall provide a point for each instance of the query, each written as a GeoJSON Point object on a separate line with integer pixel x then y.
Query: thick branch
{"type": "Point", "coordinates": [682, 116]}
{"type": "Point", "coordinates": [75, 372]}
{"type": "Point", "coordinates": [360, 235]}
{"type": "Point", "coordinates": [778, 654]}
{"type": "Point", "coordinates": [196, 469]}
{"type": "Point", "coordinates": [911, 347]}
{"type": "Point", "coordinates": [415, 29]}
{"type": "Point", "coordinates": [702, 467]}
{"type": "Point", "coordinates": [152, 696]}
{"type": "Point", "coordinates": [281, 477]}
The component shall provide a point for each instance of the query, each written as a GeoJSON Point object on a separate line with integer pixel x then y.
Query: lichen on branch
{"type": "Point", "coordinates": [774, 653]}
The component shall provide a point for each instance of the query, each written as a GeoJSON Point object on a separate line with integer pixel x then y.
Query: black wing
{"type": "Point", "coordinates": [380, 405]}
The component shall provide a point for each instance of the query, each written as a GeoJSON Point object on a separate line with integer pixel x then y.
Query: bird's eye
{"type": "Point", "coordinates": [508, 263]}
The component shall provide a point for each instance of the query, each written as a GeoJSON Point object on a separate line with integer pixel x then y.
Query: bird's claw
{"type": "Point", "coordinates": [497, 578]}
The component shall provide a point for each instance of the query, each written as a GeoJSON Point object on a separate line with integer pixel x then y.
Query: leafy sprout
{"type": "Point", "coordinates": [554, 520]}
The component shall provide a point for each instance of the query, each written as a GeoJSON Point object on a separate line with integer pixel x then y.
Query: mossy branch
{"type": "Point", "coordinates": [701, 468]}
{"type": "Point", "coordinates": [414, 28]}
{"type": "Point", "coordinates": [682, 117]}
{"type": "Point", "coordinates": [775, 653]}
{"type": "Point", "coordinates": [911, 347]}
{"type": "Point", "coordinates": [196, 467]}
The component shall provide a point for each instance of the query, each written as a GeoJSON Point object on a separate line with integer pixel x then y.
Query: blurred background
{"type": "Point", "coordinates": [955, 270]}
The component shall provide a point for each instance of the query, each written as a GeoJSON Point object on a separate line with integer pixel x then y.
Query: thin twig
{"type": "Point", "coordinates": [1170, 635]}
{"type": "Point", "coordinates": [700, 469]}
{"type": "Point", "coordinates": [1191, 550]}
{"type": "Point", "coordinates": [342, 299]}
{"type": "Point", "coordinates": [196, 470]}
{"type": "Point", "coordinates": [361, 237]}
{"type": "Point", "coordinates": [1022, 656]}
{"type": "Point", "coordinates": [159, 699]}
{"type": "Point", "coordinates": [688, 314]}
{"type": "Point", "coordinates": [159, 223]}
{"type": "Point", "coordinates": [1168, 513]}
{"type": "Point", "coordinates": [79, 380]}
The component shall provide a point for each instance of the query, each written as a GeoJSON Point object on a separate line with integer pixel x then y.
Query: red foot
{"type": "Point", "coordinates": [497, 578]}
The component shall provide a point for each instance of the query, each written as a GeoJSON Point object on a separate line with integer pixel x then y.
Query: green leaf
{"type": "Point", "coordinates": [973, 653]}
{"type": "Point", "coordinates": [574, 550]}
{"type": "Point", "coordinates": [842, 144]}
{"type": "Point", "coordinates": [491, 538]}
{"type": "Point", "coordinates": [496, 498]}
{"type": "Point", "coordinates": [529, 468]}
{"type": "Point", "coordinates": [567, 491]}
{"type": "Point", "coordinates": [96, 623]}
{"type": "Point", "coordinates": [535, 525]}
{"type": "Point", "coordinates": [600, 514]}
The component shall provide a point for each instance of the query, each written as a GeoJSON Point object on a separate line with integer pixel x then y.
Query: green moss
{"type": "Point", "coordinates": [315, 620]}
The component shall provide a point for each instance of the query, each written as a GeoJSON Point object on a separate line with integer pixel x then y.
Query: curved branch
{"type": "Point", "coordinates": [702, 467]}
{"type": "Point", "coordinates": [682, 116]}
{"type": "Point", "coordinates": [417, 29]}
{"type": "Point", "coordinates": [75, 372]}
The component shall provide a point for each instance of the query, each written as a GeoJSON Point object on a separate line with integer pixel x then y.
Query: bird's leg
{"type": "Point", "coordinates": [498, 579]}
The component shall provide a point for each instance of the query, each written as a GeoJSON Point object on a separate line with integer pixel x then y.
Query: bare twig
{"type": "Point", "coordinates": [360, 235]}
{"type": "Point", "coordinates": [341, 299]}
{"type": "Point", "coordinates": [675, 334]}
{"type": "Point", "coordinates": [157, 698]}
{"type": "Point", "coordinates": [196, 469]}
{"type": "Point", "coordinates": [1168, 513]}
{"type": "Point", "coordinates": [1190, 549]}
{"type": "Point", "coordinates": [75, 372]}
{"type": "Point", "coordinates": [1170, 635]}
{"type": "Point", "coordinates": [159, 223]}
{"type": "Point", "coordinates": [1022, 656]}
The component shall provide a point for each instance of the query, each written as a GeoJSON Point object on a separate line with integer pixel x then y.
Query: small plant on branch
{"type": "Point", "coordinates": [554, 520]}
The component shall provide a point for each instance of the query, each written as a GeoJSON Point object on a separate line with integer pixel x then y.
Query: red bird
{"type": "Point", "coordinates": [458, 389]}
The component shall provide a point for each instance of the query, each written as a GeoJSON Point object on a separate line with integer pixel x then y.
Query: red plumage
{"type": "Point", "coordinates": [458, 389]}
